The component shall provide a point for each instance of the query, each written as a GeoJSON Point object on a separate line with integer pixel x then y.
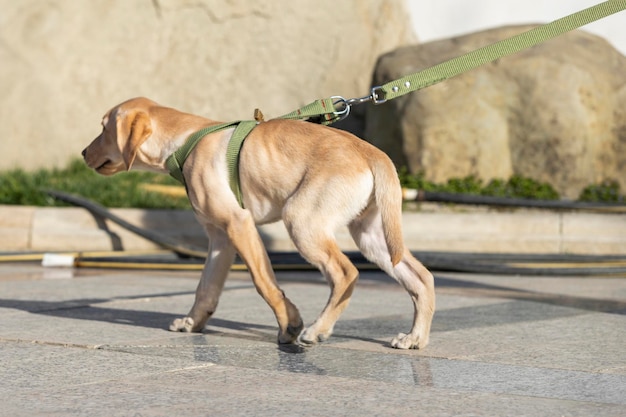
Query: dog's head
{"type": "Point", "coordinates": [124, 129]}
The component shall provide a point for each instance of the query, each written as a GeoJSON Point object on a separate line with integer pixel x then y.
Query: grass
{"type": "Point", "coordinates": [515, 187]}
{"type": "Point", "coordinates": [607, 192]}
{"type": "Point", "coordinates": [121, 190]}
{"type": "Point", "coordinates": [126, 189]}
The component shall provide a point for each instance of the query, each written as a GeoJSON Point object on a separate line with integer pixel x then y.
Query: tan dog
{"type": "Point", "coordinates": [315, 178]}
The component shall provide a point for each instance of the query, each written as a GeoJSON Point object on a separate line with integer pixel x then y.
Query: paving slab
{"type": "Point", "coordinates": [94, 342]}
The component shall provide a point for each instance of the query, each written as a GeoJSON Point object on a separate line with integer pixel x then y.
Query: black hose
{"type": "Point", "coordinates": [508, 264]}
{"type": "Point", "coordinates": [440, 197]}
{"type": "Point", "coordinates": [98, 210]}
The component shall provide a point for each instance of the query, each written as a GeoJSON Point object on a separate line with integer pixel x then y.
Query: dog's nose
{"type": "Point", "coordinates": [84, 152]}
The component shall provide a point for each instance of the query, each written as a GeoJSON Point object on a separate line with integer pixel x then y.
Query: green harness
{"type": "Point", "coordinates": [329, 110]}
{"type": "Point", "coordinates": [176, 161]}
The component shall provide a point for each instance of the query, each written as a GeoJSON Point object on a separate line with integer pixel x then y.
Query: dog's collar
{"type": "Point", "coordinates": [174, 163]}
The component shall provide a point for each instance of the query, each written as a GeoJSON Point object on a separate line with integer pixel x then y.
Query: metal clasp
{"type": "Point", "coordinates": [377, 96]}
{"type": "Point", "coordinates": [360, 100]}
{"type": "Point", "coordinates": [341, 113]}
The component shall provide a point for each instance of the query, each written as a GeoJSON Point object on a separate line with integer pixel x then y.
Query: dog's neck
{"type": "Point", "coordinates": [172, 135]}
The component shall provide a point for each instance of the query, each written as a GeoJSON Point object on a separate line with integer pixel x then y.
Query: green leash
{"type": "Point", "coordinates": [330, 110]}
{"type": "Point", "coordinates": [456, 66]}
{"type": "Point", "coordinates": [474, 59]}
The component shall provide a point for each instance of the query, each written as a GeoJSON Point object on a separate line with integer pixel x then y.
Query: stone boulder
{"type": "Point", "coordinates": [64, 63]}
{"type": "Point", "coordinates": [555, 112]}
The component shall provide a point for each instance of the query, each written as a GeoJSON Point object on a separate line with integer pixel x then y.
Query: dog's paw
{"type": "Point", "coordinates": [306, 341]}
{"type": "Point", "coordinates": [310, 336]}
{"type": "Point", "coordinates": [186, 324]}
{"type": "Point", "coordinates": [406, 341]}
{"type": "Point", "coordinates": [291, 335]}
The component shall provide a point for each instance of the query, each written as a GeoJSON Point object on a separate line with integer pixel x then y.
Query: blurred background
{"type": "Point", "coordinates": [64, 63]}
{"type": "Point", "coordinates": [440, 19]}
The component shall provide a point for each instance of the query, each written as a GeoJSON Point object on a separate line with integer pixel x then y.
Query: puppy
{"type": "Point", "coordinates": [313, 178]}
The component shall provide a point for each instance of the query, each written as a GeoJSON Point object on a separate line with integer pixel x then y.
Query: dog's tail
{"type": "Point", "coordinates": [388, 197]}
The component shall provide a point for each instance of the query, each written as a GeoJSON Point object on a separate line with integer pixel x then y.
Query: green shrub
{"type": "Point", "coordinates": [497, 188]}
{"type": "Point", "coordinates": [607, 192]}
{"type": "Point", "coordinates": [467, 185]}
{"type": "Point", "coordinates": [521, 187]}
{"type": "Point", "coordinates": [415, 181]}
{"type": "Point", "coordinates": [121, 190]}
{"type": "Point", "coordinates": [125, 189]}
{"type": "Point", "coordinates": [515, 187]}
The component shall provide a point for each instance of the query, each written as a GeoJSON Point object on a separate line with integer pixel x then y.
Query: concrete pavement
{"type": "Point", "coordinates": [93, 343]}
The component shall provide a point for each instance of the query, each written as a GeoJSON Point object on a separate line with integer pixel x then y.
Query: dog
{"type": "Point", "coordinates": [312, 177]}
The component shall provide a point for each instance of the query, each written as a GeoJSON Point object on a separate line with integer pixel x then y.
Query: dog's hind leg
{"type": "Point", "coordinates": [367, 232]}
{"type": "Point", "coordinates": [219, 260]}
{"type": "Point", "coordinates": [420, 284]}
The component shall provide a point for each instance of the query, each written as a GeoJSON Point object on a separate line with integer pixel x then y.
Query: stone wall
{"type": "Point", "coordinates": [66, 62]}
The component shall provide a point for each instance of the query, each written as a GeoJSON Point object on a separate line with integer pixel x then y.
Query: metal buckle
{"type": "Point", "coordinates": [378, 95]}
{"type": "Point", "coordinates": [360, 100]}
{"type": "Point", "coordinates": [345, 111]}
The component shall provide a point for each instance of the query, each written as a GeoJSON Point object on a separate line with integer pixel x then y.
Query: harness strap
{"type": "Point", "coordinates": [323, 111]}
{"type": "Point", "coordinates": [174, 163]}
{"type": "Point", "coordinates": [232, 156]}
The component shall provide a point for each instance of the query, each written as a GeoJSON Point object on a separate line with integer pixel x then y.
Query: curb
{"type": "Point", "coordinates": [433, 228]}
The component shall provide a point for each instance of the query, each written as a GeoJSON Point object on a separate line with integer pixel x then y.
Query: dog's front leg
{"type": "Point", "coordinates": [247, 241]}
{"type": "Point", "coordinates": [219, 260]}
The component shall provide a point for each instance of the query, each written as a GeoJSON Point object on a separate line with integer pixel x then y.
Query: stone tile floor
{"type": "Point", "coordinates": [93, 342]}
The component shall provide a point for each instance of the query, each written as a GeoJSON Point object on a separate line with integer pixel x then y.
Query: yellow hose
{"type": "Point", "coordinates": [38, 256]}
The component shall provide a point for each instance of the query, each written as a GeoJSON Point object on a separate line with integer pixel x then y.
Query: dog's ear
{"type": "Point", "coordinates": [134, 129]}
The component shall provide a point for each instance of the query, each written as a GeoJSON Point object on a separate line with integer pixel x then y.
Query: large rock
{"type": "Point", "coordinates": [555, 112]}
{"type": "Point", "coordinates": [64, 63]}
